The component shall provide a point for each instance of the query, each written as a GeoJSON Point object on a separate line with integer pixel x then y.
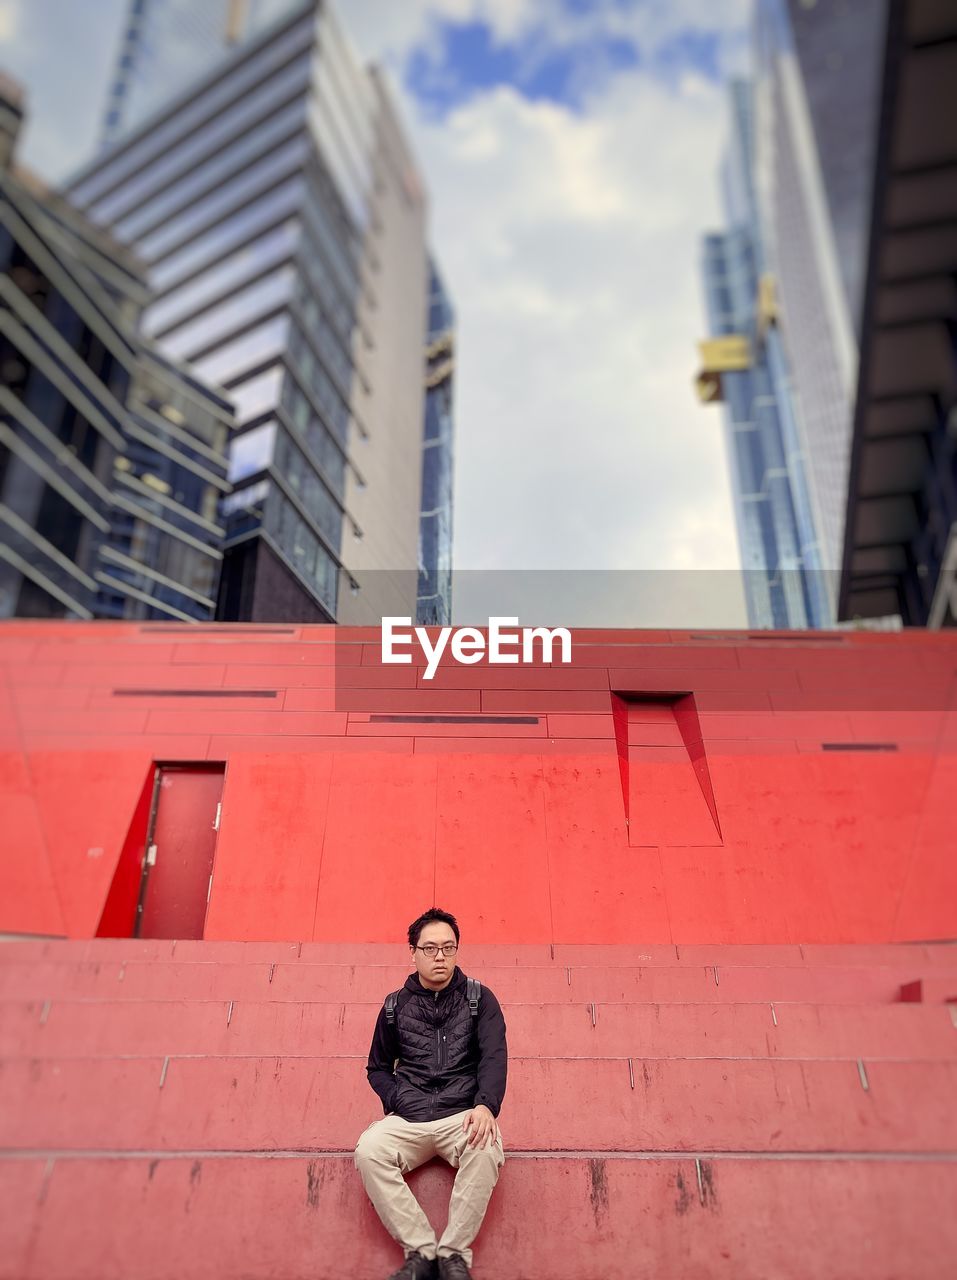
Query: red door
{"type": "Point", "coordinates": [177, 875]}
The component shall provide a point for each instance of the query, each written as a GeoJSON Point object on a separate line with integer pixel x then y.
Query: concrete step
{"type": "Point", "coordinates": [108, 1027]}
{"type": "Point", "coordinates": [473, 958]}
{"type": "Point", "coordinates": [302, 981]}
{"type": "Point", "coordinates": [302, 1217]}
{"type": "Point", "coordinates": [574, 1104]}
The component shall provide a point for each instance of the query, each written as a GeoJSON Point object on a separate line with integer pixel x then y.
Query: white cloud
{"type": "Point", "coordinates": [388, 30]}
{"type": "Point", "coordinates": [9, 21]}
{"type": "Point", "coordinates": [570, 242]}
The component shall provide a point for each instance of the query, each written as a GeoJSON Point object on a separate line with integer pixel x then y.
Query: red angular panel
{"type": "Point", "coordinates": [490, 845]}
{"type": "Point", "coordinates": [484, 746]}
{"type": "Point", "coordinates": [89, 722]}
{"type": "Point", "coordinates": [31, 697]}
{"type": "Point", "coordinates": [171, 747]}
{"type": "Point", "coordinates": [925, 909]}
{"type": "Point", "coordinates": [278, 676]}
{"type": "Point", "coordinates": [883, 698]}
{"type": "Point", "coordinates": [602, 890]}
{"type": "Point", "coordinates": [28, 882]}
{"type": "Point", "coordinates": [119, 916]}
{"type": "Point", "coordinates": [9, 722]}
{"type": "Point", "coordinates": [86, 802]}
{"type": "Point", "coordinates": [581, 726]}
{"type": "Point", "coordinates": [823, 726]}
{"type": "Point", "coordinates": [821, 845]}
{"type": "Point", "coordinates": [381, 678]}
{"type": "Point", "coordinates": [377, 806]}
{"type": "Point", "coordinates": [440, 726]}
{"type": "Point", "coordinates": [896, 726]}
{"type": "Point", "coordinates": [419, 701]}
{"type": "Point", "coordinates": [544, 701]}
{"type": "Point", "coordinates": [222, 720]}
{"type": "Point", "coordinates": [101, 648]}
{"type": "Point", "coordinates": [749, 748]}
{"type": "Point", "coordinates": [749, 701]}
{"type": "Point", "coordinates": [300, 699]}
{"type": "Point", "coordinates": [184, 705]}
{"type": "Point", "coordinates": [558, 678]}
{"type": "Point", "coordinates": [642, 733]}
{"type": "Point", "coordinates": [281, 802]}
{"type": "Point", "coordinates": [34, 673]}
{"type": "Point", "coordinates": [681, 680]}
{"type": "Point", "coordinates": [145, 674]}
{"type": "Point", "coordinates": [282, 650]}
{"type": "Point", "coordinates": [733, 899]}
{"type": "Point", "coordinates": [224, 746]}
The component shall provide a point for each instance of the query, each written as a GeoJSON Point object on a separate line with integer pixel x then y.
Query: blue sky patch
{"type": "Point", "coordinates": [696, 50]}
{"type": "Point", "coordinates": [470, 62]}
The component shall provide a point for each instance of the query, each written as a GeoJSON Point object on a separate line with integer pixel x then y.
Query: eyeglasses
{"type": "Point", "coordinates": [431, 950]}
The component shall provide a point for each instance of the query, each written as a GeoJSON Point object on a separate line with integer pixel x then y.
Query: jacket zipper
{"type": "Point", "coordinates": [438, 1057]}
{"type": "Point", "coordinates": [439, 1038]}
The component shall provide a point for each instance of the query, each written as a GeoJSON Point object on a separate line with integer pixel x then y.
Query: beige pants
{"type": "Point", "coordinates": [392, 1147]}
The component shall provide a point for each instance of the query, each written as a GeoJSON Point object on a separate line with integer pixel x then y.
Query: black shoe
{"type": "Point", "coordinates": [453, 1268]}
{"type": "Point", "coordinates": [416, 1267]}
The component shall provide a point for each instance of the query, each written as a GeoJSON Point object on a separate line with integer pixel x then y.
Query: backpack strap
{"type": "Point", "coordinates": [391, 1004]}
{"type": "Point", "coordinates": [473, 992]}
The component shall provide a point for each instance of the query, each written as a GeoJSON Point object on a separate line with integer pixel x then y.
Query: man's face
{"type": "Point", "coordinates": [435, 972]}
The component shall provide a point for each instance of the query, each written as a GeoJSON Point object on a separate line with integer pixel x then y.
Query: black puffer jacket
{"type": "Point", "coordinates": [436, 1059]}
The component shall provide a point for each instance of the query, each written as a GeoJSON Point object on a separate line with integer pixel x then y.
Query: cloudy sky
{"type": "Point", "coordinates": [570, 149]}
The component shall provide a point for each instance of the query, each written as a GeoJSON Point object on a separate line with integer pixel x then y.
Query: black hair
{"type": "Point", "coordinates": [433, 916]}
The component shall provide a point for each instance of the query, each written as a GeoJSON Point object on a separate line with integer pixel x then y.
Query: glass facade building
{"type": "Point", "coordinates": [816, 101]}
{"type": "Point", "coordinates": [281, 222]}
{"type": "Point", "coordinates": [167, 44]}
{"type": "Point", "coordinates": [780, 552]}
{"type": "Point", "coordinates": [434, 605]}
{"type": "Point", "coordinates": [111, 461]}
{"type": "Point", "coordinates": [65, 370]}
{"type": "Point", "coordinates": [900, 550]}
{"type": "Point", "coordinates": [839, 50]}
{"type": "Point", "coordinates": [163, 556]}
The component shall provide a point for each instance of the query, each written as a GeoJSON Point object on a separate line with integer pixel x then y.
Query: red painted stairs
{"type": "Point", "coordinates": [189, 1109]}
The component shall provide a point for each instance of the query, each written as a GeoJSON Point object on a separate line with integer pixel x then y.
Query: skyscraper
{"type": "Point", "coordinates": [435, 525]}
{"type": "Point", "coordinates": [816, 102]}
{"type": "Point", "coordinates": [165, 45]}
{"type": "Point", "coordinates": [745, 367]}
{"type": "Point", "coordinates": [279, 212]}
{"type": "Point", "coordinates": [900, 550]}
{"type": "Point", "coordinates": [163, 556]}
{"type": "Point", "coordinates": [111, 460]}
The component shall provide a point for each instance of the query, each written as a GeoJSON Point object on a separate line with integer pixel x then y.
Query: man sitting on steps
{"type": "Point", "coordinates": [438, 1062]}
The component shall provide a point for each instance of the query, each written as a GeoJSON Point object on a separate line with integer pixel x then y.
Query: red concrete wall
{"type": "Point", "coordinates": [665, 787]}
{"type": "Point", "coordinates": [190, 1108]}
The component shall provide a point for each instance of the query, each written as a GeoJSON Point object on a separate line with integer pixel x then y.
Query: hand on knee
{"type": "Point", "coordinates": [490, 1155]}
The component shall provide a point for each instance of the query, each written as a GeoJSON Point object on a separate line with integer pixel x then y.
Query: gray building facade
{"type": "Point", "coordinates": [900, 549]}
{"type": "Point", "coordinates": [434, 605]}
{"type": "Point", "coordinates": [280, 215]}
{"type": "Point", "coordinates": [112, 461]}
{"type": "Point", "coordinates": [163, 556]}
{"type": "Point", "coordinates": [746, 369]}
{"type": "Point", "coordinates": [816, 104]}
{"type": "Point", "coordinates": [165, 45]}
